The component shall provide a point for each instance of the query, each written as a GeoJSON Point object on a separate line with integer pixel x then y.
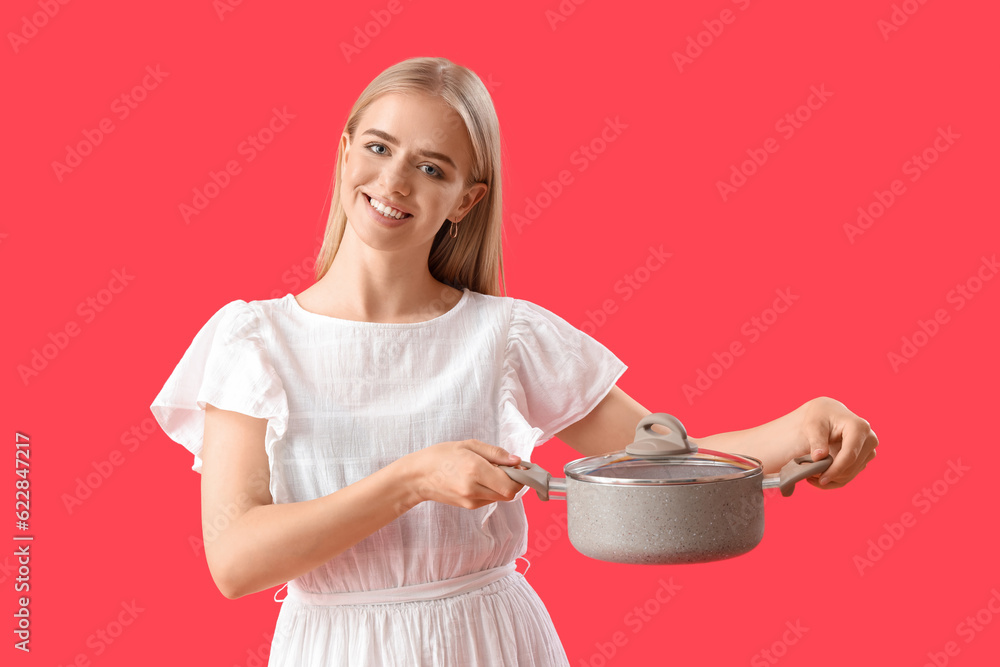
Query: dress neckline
{"type": "Point", "coordinates": [295, 305]}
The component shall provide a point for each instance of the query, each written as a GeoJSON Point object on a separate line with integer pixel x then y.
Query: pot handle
{"type": "Point", "coordinates": [535, 476]}
{"type": "Point", "coordinates": [650, 444]}
{"type": "Point", "coordinates": [795, 470]}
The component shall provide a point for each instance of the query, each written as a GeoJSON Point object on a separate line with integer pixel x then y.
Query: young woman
{"type": "Point", "coordinates": [348, 436]}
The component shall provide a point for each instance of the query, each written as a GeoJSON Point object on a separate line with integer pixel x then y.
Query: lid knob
{"type": "Point", "coordinates": [649, 444]}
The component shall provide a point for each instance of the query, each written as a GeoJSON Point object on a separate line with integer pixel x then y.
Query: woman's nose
{"type": "Point", "coordinates": [395, 177]}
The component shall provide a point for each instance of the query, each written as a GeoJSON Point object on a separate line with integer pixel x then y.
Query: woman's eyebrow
{"type": "Point", "coordinates": [393, 140]}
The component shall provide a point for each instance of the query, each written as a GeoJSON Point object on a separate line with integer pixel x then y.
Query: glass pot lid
{"type": "Point", "coordinates": [662, 459]}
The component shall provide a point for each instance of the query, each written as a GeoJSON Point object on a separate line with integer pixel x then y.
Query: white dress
{"type": "Point", "coordinates": [343, 399]}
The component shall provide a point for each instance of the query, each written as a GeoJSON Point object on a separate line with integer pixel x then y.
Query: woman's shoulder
{"type": "Point", "coordinates": [252, 305]}
{"type": "Point", "coordinates": [495, 305]}
{"type": "Point", "coordinates": [517, 311]}
{"type": "Point", "coordinates": [239, 318]}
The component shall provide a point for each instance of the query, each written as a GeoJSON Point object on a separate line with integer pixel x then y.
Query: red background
{"type": "Point", "coordinates": [655, 185]}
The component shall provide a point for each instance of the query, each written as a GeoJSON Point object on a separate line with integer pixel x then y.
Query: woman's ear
{"type": "Point", "coordinates": [345, 145]}
{"type": "Point", "coordinates": [476, 192]}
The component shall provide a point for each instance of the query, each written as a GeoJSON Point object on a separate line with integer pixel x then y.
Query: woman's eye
{"type": "Point", "coordinates": [435, 172]}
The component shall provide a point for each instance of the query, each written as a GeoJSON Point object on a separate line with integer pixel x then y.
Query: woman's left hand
{"type": "Point", "coordinates": [827, 426]}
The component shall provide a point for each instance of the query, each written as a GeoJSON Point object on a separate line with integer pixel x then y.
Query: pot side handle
{"type": "Point", "coordinates": [798, 469]}
{"type": "Point", "coordinates": [535, 476]}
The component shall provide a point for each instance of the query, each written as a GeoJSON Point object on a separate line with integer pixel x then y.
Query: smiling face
{"type": "Point", "coordinates": [411, 152]}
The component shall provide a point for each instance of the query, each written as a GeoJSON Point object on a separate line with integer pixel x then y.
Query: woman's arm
{"type": "Point", "coordinates": [817, 427]}
{"type": "Point", "coordinates": [773, 443]}
{"type": "Point", "coordinates": [252, 544]}
{"type": "Point", "coordinates": [812, 428]}
{"type": "Point", "coordinates": [609, 427]}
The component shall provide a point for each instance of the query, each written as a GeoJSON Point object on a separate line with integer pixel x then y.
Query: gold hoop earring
{"type": "Point", "coordinates": [454, 230]}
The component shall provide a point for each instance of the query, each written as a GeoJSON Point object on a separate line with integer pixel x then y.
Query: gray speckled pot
{"type": "Point", "coordinates": [665, 524]}
{"type": "Point", "coordinates": [662, 502]}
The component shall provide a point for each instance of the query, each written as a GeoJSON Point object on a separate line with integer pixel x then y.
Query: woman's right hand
{"type": "Point", "coordinates": [462, 473]}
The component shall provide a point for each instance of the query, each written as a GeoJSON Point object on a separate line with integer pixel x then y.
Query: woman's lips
{"type": "Point", "coordinates": [384, 219]}
{"type": "Point", "coordinates": [386, 203]}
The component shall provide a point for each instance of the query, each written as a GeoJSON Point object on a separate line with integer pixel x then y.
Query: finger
{"type": "Point", "coordinates": [818, 436]}
{"type": "Point", "coordinates": [472, 497]}
{"type": "Point", "coordinates": [485, 492]}
{"type": "Point", "coordinates": [868, 451]}
{"type": "Point", "coordinates": [851, 444]}
{"type": "Point", "coordinates": [868, 448]}
{"type": "Point", "coordinates": [492, 453]}
{"type": "Point", "coordinates": [843, 481]}
{"type": "Point", "coordinates": [872, 442]}
{"type": "Point", "coordinates": [815, 481]}
{"type": "Point", "coordinates": [824, 487]}
{"type": "Point", "coordinates": [498, 482]}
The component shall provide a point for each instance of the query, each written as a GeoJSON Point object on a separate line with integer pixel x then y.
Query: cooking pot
{"type": "Point", "coordinates": [664, 501]}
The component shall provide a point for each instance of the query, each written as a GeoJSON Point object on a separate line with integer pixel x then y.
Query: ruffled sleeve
{"type": "Point", "coordinates": [226, 365]}
{"type": "Point", "coordinates": [554, 375]}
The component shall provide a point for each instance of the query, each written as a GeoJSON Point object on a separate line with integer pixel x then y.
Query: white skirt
{"type": "Point", "coordinates": [501, 624]}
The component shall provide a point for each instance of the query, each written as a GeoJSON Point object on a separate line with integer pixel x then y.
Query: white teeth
{"type": "Point", "coordinates": [387, 211]}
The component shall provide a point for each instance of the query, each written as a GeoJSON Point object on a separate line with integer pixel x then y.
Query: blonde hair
{"type": "Point", "coordinates": [473, 259]}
